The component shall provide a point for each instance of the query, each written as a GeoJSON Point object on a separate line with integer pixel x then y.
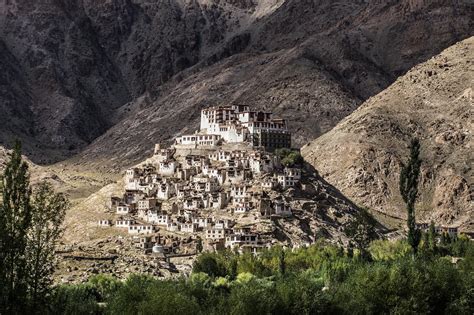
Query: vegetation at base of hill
{"type": "Point", "coordinates": [319, 279]}
{"type": "Point", "coordinates": [289, 158]}
{"type": "Point", "coordinates": [30, 225]}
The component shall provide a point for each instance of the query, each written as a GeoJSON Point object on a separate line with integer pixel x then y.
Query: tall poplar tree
{"type": "Point", "coordinates": [409, 190]}
{"type": "Point", "coordinates": [30, 225]}
{"type": "Point", "coordinates": [15, 220]}
{"type": "Point", "coordinates": [48, 211]}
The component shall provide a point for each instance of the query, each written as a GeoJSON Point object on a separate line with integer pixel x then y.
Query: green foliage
{"type": "Point", "coordinates": [47, 215]}
{"type": "Point", "coordinates": [199, 246]}
{"type": "Point", "coordinates": [362, 231]}
{"type": "Point", "coordinates": [320, 279]}
{"type": "Point", "coordinates": [105, 286]}
{"type": "Point", "coordinates": [385, 251]}
{"type": "Point", "coordinates": [289, 158]}
{"type": "Point", "coordinates": [282, 263]}
{"type": "Point", "coordinates": [30, 225]}
{"type": "Point", "coordinates": [302, 294]}
{"type": "Point", "coordinates": [252, 297]}
{"type": "Point", "coordinates": [74, 299]}
{"type": "Point", "coordinates": [209, 263]}
{"type": "Point", "coordinates": [143, 295]}
{"type": "Point", "coordinates": [409, 190]}
{"type": "Point", "coordinates": [15, 220]}
{"type": "Point", "coordinates": [404, 287]}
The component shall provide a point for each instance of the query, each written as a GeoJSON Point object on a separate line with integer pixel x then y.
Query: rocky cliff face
{"type": "Point", "coordinates": [124, 71]}
{"type": "Point", "coordinates": [70, 65]}
{"type": "Point", "coordinates": [362, 154]}
{"type": "Point", "coordinates": [314, 72]}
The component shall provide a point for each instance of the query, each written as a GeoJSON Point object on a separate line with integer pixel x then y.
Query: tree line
{"type": "Point", "coordinates": [320, 279]}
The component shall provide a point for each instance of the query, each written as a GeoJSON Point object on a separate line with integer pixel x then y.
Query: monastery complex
{"type": "Point", "coordinates": [237, 124]}
{"type": "Point", "coordinates": [222, 186]}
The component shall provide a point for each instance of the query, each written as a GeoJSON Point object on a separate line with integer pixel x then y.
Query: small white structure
{"type": "Point", "coordinates": [237, 240]}
{"type": "Point", "coordinates": [161, 219]}
{"type": "Point", "coordinates": [167, 168]}
{"type": "Point", "coordinates": [242, 207]}
{"type": "Point", "coordinates": [193, 203]}
{"type": "Point", "coordinates": [290, 177]}
{"type": "Point", "coordinates": [216, 200]}
{"type": "Point", "coordinates": [293, 173]}
{"type": "Point", "coordinates": [172, 227]}
{"type": "Point", "coordinates": [162, 154]}
{"type": "Point", "coordinates": [282, 209]}
{"type": "Point", "coordinates": [224, 224]}
{"type": "Point", "coordinates": [124, 222]}
{"type": "Point", "coordinates": [203, 222]}
{"type": "Point", "coordinates": [105, 223]}
{"type": "Point", "coordinates": [268, 183]}
{"type": "Point", "coordinates": [148, 204]}
{"type": "Point", "coordinates": [199, 139]}
{"type": "Point", "coordinates": [217, 233]}
{"type": "Point", "coordinates": [141, 229]}
{"type": "Point", "coordinates": [132, 178]}
{"type": "Point", "coordinates": [165, 191]}
{"type": "Point", "coordinates": [125, 209]}
{"type": "Point", "coordinates": [189, 227]}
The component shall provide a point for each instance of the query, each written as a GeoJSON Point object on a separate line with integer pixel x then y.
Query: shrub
{"type": "Point", "coordinates": [74, 299]}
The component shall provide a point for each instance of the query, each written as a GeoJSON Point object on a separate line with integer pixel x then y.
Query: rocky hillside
{"type": "Point", "coordinates": [72, 64]}
{"type": "Point", "coordinates": [434, 102]}
{"type": "Point", "coordinates": [110, 75]}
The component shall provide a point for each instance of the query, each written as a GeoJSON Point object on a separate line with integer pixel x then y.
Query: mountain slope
{"type": "Point", "coordinates": [433, 101]}
{"type": "Point", "coordinates": [77, 62]}
{"type": "Point", "coordinates": [312, 62]}
{"type": "Point", "coordinates": [83, 67]}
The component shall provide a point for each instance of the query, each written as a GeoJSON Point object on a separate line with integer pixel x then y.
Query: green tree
{"type": "Point", "coordinates": [74, 299]}
{"type": "Point", "coordinates": [409, 190]}
{"type": "Point", "coordinates": [432, 238]}
{"type": "Point", "coordinates": [29, 228]}
{"type": "Point", "coordinates": [105, 285]}
{"type": "Point", "coordinates": [48, 211]}
{"type": "Point", "coordinates": [208, 263]}
{"type": "Point", "coordinates": [199, 246]}
{"type": "Point", "coordinates": [383, 250]}
{"type": "Point", "coordinates": [15, 220]}
{"type": "Point", "coordinates": [281, 262]}
{"type": "Point", "coordinates": [362, 232]}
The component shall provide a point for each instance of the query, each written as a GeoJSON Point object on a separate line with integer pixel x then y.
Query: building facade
{"type": "Point", "coordinates": [237, 123]}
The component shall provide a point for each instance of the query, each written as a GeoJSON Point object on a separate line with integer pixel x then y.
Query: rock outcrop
{"type": "Point", "coordinates": [433, 101]}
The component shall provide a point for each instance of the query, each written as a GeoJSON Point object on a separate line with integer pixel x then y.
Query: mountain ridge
{"type": "Point", "coordinates": [88, 65]}
{"type": "Point", "coordinates": [433, 101]}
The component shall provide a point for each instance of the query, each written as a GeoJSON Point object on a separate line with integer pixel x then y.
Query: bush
{"type": "Point", "coordinates": [74, 299]}
{"type": "Point", "coordinates": [144, 295]}
{"type": "Point", "coordinates": [381, 250]}
{"type": "Point", "coordinates": [104, 285]}
{"type": "Point", "coordinates": [289, 158]}
{"type": "Point", "coordinates": [210, 264]}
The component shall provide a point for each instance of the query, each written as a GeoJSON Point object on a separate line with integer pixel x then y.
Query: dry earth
{"type": "Point", "coordinates": [434, 102]}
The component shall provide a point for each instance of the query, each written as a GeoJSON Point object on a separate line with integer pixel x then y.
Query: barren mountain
{"type": "Point", "coordinates": [433, 101]}
{"type": "Point", "coordinates": [129, 72]}
{"type": "Point", "coordinates": [71, 64]}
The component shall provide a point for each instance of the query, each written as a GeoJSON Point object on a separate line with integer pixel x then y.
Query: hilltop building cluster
{"type": "Point", "coordinates": [237, 124]}
{"type": "Point", "coordinates": [215, 184]}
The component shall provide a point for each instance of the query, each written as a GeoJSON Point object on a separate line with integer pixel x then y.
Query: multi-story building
{"type": "Point", "coordinates": [236, 123]}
